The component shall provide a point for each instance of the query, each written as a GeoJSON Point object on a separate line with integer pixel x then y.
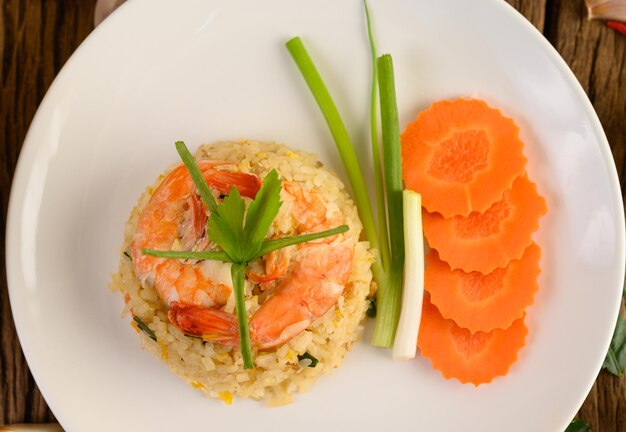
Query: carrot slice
{"type": "Point", "coordinates": [485, 241]}
{"type": "Point", "coordinates": [470, 358]}
{"type": "Point", "coordinates": [461, 156]}
{"type": "Point", "coordinates": [483, 302]}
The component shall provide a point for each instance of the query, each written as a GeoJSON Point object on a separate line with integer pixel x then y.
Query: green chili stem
{"type": "Point", "coordinates": [344, 145]}
{"type": "Point", "coordinates": [237, 273]}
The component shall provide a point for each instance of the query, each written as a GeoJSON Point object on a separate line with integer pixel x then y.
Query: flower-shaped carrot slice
{"type": "Point", "coordinates": [461, 156]}
{"type": "Point", "coordinates": [483, 302]}
{"type": "Point", "coordinates": [485, 241]}
{"type": "Point", "coordinates": [470, 358]}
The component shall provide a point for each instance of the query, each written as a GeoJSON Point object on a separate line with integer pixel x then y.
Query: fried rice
{"type": "Point", "coordinates": [217, 370]}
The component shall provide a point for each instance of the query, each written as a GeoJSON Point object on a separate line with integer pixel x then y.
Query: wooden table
{"type": "Point", "coordinates": [38, 36]}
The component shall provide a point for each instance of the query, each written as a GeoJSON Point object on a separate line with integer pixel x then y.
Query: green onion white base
{"type": "Point", "coordinates": [405, 343]}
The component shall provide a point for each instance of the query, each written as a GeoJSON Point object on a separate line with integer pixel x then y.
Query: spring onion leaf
{"type": "Point", "coordinates": [389, 276]}
{"type": "Point", "coordinates": [389, 295]}
{"type": "Point", "coordinates": [346, 150]}
{"type": "Point", "coordinates": [391, 152]}
{"type": "Point", "coordinates": [144, 328]}
{"type": "Point", "coordinates": [378, 176]}
{"type": "Point", "coordinates": [307, 356]}
{"type": "Point", "coordinates": [405, 343]}
{"type": "Point", "coordinates": [578, 426]}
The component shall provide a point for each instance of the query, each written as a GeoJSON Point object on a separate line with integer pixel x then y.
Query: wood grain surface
{"type": "Point", "coordinates": [38, 36]}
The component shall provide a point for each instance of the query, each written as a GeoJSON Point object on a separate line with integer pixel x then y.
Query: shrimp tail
{"type": "Point", "coordinates": [209, 323]}
{"type": "Point", "coordinates": [247, 184]}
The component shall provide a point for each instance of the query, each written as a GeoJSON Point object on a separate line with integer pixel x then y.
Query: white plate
{"type": "Point", "coordinates": [160, 71]}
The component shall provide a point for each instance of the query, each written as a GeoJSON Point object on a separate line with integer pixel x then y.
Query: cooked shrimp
{"type": "Point", "coordinates": [313, 286]}
{"type": "Point", "coordinates": [276, 265]}
{"type": "Point", "coordinates": [314, 281]}
{"type": "Point", "coordinates": [308, 280]}
{"type": "Point", "coordinates": [175, 219]}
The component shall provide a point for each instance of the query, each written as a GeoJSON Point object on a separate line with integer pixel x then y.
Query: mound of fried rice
{"type": "Point", "coordinates": [217, 370]}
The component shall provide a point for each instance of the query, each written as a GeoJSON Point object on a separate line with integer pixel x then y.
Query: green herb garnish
{"type": "Point", "coordinates": [376, 155]}
{"type": "Point", "coordinates": [127, 255]}
{"type": "Point", "coordinates": [240, 235]}
{"type": "Point", "coordinates": [578, 426]}
{"type": "Point", "coordinates": [144, 328]}
{"type": "Point", "coordinates": [344, 145]}
{"type": "Point", "coordinates": [197, 177]}
{"type": "Point", "coordinates": [266, 247]}
{"type": "Point", "coordinates": [390, 296]}
{"type": "Point", "coordinates": [389, 263]}
{"type": "Point", "coordinates": [307, 356]}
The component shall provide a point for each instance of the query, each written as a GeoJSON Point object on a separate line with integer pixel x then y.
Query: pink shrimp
{"type": "Point", "coordinates": [276, 265]}
{"type": "Point", "coordinates": [175, 218]}
{"type": "Point", "coordinates": [313, 285]}
{"type": "Point", "coordinates": [308, 284]}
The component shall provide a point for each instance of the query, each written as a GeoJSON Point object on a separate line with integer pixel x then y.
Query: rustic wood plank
{"type": "Point", "coordinates": [36, 38]}
{"type": "Point", "coordinates": [597, 55]}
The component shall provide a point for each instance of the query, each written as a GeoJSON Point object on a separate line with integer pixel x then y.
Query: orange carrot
{"type": "Point", "coordinates": [461, 156]}
{"type": "Point", "coordinates": [470, 358]}
{"type": "Point", "coordinates": [483, 302]}
{"type": "Point", "coordinates": [486, 241]}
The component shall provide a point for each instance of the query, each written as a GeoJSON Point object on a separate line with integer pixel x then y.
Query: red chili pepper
{"type": "Point", "coordinates": [616, 25]}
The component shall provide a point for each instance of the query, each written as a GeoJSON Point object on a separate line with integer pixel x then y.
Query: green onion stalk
{"type": "Point", "coordinates": [388, 265]}
{"type": "Point", "coordinates": [346, 150]}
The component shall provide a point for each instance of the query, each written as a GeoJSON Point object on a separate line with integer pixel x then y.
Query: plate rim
{"type": "Point", "coordinates": [25, 161]}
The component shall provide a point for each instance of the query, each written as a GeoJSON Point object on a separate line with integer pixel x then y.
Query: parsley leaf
{"type": "Point", "coordinates": [261, 213]}
{"type": "Point", "coordinates": [226, 226]}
